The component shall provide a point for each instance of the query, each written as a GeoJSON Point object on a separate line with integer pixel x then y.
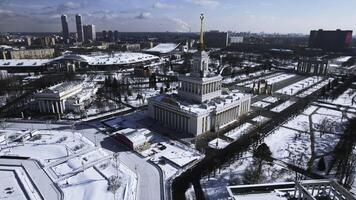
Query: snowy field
{"type": "Point", "coordinates": [275, 79]}
{"type": "Point", "coordinates": [301, 141]}
{"type": "Point", "coordinates": [298, 86]}
{"type": "Point", "coordinates": [81, 170]}
{"type": "Point", "coordinates": [260, 119]}
{"type": "Point", "coordinates": [260, 104]}
{"type": "Point", "coordinates": [314, 88]}
{"type": "Point", "coordinates": [270, 99]}
{"type": "Point", "coordinates": [243, 77]}
{"type": "Point", "coordinates": [317, 127]}
{"type": "Point", "coordinates": [239, 131]}
{"type": "Point", "coordinates": [218, 143]}
{"type": "Point", "coordinates": [250, 82]}
{"type": "Point", "coordinates": [282, 106]}
{"type": "Point", "coordinates": [348, 98]}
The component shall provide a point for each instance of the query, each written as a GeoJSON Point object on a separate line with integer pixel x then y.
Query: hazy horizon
{"type": "Point", "coordinates": [274, 16]}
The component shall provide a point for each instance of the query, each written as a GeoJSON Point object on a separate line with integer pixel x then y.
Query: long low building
{"type": "Point", "coordinates": [102, 61]}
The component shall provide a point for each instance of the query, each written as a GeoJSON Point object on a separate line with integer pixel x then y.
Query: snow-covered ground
{"type": "Point", "coordinates": [260, 104]}
{"type": "Point", "coordinates": [348, 98]}
{"type": "Point", "coordinates": [270, 99]}
{"type": "Point", "coordinates": [218, 143]}
{"type": "Point", "coordinates": [282, 106]}
{"type": "Point", "coordinates": [260, 119]}
{"type": "Point", "coordinates": [296, 87]}
{"type": "Point", "coordinates": [275, 79]}
{"type": "Point", "coordinates": [301, 141]}
{"type": "Point", "coordinates": [250, 82]}
{"type": "Point", "coordinates": [81, 170]}
{"type": "Point", "coordinates": [243, 76]}
{"type": "Point", "coordinates": [315, 88]}
{"type": "Point", "coordinates": [239, 131]}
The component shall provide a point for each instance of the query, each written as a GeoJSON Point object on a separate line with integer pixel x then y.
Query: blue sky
{"type": "Point", "coordinates": [283, 16]}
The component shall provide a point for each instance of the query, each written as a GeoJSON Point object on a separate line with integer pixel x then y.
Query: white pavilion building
{"type": "Point", "coordinates": [200, 105]}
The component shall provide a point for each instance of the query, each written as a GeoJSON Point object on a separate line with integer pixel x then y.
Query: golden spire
{"type": "Point", "coordinates": [201, 40]}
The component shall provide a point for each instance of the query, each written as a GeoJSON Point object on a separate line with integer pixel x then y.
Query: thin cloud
{"type": "Point", "coordinates": [162, 5]}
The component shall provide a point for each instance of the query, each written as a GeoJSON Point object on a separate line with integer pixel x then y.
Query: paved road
{"type": "Point", "coordinates": [149, 177]}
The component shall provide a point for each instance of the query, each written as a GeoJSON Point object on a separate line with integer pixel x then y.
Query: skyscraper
{"type": "Point", "coordinates": [79, 24]}
{"type": "Point", "coordinates": [89, 33]}
{"type": "Point", "coordinates": [65, 28]}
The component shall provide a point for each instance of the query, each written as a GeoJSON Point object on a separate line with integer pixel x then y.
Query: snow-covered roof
{"type": "Point", "coordinates": [110, 59]}
{"type": "Point", "coordinates": [64, 86]}
{"type": "Point", "coordinates": [24, 62]}
{"type": "Point", "coordinates": [343, 59]}
{"type": "Point", "coordinates": [5, 47]}
{"type": "Point", "coordinates": [136, 136]}
{"type": "Point", "coordinates": [164, 48]}
{"type": "Point", "coordinates": [215, 104]}
{"type": "Point", "coordinates": [105, 59]}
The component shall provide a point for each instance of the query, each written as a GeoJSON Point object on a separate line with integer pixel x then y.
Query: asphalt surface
{"type": "Point", "coordinates": [149, 177]}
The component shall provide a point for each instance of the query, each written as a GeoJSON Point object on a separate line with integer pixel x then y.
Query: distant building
{"type": "Point", "coordinates": [89, 33]}
{"type": "Point", "coordinates": [65, 28]}
{"type": "Point", "coordinates": [28, 41]}
{"type": "Point", "coordinates": [312, 66]}
{"type": "Point", "coordinates": [328, 40]}
{"type": "Point", "coordinates": [47, 41]}
{"type": "Point", "coordinates": [27, 54]}
{"type": "Point", "coordinates": [216, 39]}
{"type": "Point", "coordinates": [110, 36]}
{"type": "Point", "coordinates": [79, 25]}
{"type": "Point", "coordinates": [116, 36]}
{"type": "Point", "coordinates": [4, 75]}
{"type": "Point", "coordinates": [104, 35]}
{"type": "Point", "coordinates": [129, 47]}
{"type": "Point", "coordinates": [236, 39]}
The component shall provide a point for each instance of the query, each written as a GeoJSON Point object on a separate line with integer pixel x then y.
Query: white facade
{"type": "Point", "coordinates": [53, 99]}
{"type": "Point", "coordinates": [200, 105]}
{"type": "Point", "coordinates": [67, 96]}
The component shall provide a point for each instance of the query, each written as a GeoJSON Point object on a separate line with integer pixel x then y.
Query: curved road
{"type": "Point", "coordinates": [150, 186]}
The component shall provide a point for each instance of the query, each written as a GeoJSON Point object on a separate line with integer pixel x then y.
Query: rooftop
{"type": "Point", "coordinates": [61, 87]}
{"type": "Point", "coordinates": [204, 108]}
{"type": "Point", "coordinates": [103, 59]}
{"type": "Point", "coordinates": [164, 48]}
{"type": "Point", "coordinates": [24, 62]}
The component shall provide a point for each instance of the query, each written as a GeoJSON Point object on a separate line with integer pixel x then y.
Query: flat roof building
{"type": "Point", "coordinates": [330, 40]}
{"type": "Point", "coordinates": [89, 33]}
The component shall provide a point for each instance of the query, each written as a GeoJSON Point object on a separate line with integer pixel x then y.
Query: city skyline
{"type": "Point", "coordinates": [178, 15]}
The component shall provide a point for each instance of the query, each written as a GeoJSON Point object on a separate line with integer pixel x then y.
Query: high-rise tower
{"type": "Point", "coordinates": [79, 24]}
{"type": "Point", "coordinates": [65, 28]}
